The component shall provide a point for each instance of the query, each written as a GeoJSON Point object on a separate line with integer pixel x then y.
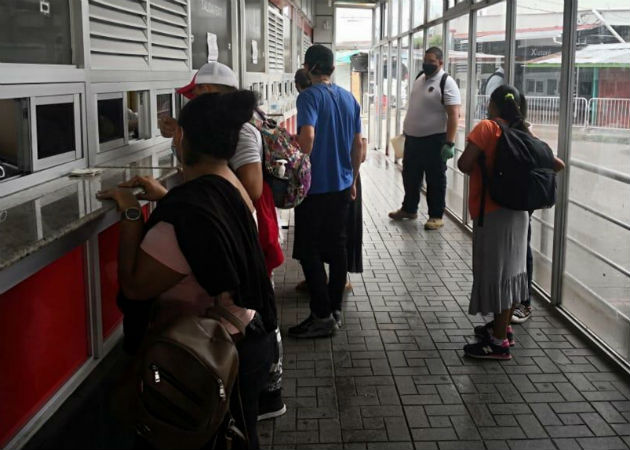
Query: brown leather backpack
{"type": "Point", "coordinates": [185, 376]}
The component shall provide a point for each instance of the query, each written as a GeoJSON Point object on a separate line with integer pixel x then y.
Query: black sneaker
{"type": "Point", "coordinates": [337, 316]}
{"type": "Point", "coordinates": [270, 405]}
{"type": "Point", "coordinates": [486, 349]}
{"type": "Point", "coordinates": [313, 327]}
{"type": "Point", "coordinates": [521, 314]}
{"type": "Point", "coordinates": [484, 332]}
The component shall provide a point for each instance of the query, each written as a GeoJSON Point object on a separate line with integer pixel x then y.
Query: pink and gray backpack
{"type": "Point", "coordinates": [286, 168]}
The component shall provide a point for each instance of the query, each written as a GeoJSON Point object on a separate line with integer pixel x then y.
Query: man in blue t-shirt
{"type": "Point", "coordinates": [329, 120]}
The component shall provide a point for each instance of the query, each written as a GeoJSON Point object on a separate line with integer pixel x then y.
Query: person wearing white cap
{"type": "Point", "coordinates": [218, 78]}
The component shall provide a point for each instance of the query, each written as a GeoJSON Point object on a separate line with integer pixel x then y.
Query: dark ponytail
{"type": "Point", "coordinates": [302, 80]}
{"type": "Point", "coordinates": [511, 106]}
{"type": "Point", "coordinates": [212, 122]}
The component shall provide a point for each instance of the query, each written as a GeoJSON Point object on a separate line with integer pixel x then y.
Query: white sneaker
{"type": "Point", "coordinates": [521, 314]}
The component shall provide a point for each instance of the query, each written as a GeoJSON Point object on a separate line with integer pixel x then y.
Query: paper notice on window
{"type": "Point", "coordinates": [254, 51]}
{"type": "Point", "coordinates": [213, 48]}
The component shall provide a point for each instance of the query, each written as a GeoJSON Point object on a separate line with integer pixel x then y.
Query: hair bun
{"type": "Point", "coordinates": [239, 106]}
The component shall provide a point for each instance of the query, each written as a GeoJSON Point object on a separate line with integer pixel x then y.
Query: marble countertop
{"type": "Point", "coordinates": [38, 216]}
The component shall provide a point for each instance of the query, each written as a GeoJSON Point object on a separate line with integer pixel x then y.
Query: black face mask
{"type": "Point", "coordinates": [429, 69]}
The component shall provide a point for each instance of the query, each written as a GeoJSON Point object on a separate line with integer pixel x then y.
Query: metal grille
{"type": "Point", "coordinates": [275, 30]}
{"type": "Point", "coordinates": [306, 43]}
{"type": "Point", "coordinates": [139, 34]}
{"type": "Point", "coordinates": [169, 34]}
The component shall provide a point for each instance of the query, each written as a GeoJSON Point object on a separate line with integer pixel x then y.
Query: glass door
{"type": "Point", "coordinates": [372, 106]}
{"type": "Point", "coordinates": [385, 68]}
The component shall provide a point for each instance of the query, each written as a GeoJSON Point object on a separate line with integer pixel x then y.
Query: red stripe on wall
{"type": "Point", "coordinates": [108, 265]}
{"type": "Point", "coordinates": [43, 339]}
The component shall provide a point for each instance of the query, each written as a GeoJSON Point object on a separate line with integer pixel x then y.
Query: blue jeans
{"type": "Point", "coordinates": [423, 156]}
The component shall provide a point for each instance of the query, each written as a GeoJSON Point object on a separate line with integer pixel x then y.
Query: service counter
{"type": "Point", "coordinates": [58, 285]}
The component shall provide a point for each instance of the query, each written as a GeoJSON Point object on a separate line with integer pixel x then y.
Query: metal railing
{"type": "Point", "coordinates": [607, 173]}
{"type": "Point", "coordinates": [609, 113]}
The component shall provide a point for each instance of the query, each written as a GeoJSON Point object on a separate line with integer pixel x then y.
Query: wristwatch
{"type": "Point", "coordinates": [132, 213]}
{"type": "Point", "coordinates": [451, 144]}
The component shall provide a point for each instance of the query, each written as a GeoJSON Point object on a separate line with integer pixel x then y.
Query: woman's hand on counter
{"type": "Point", "coordinates": [124, 198]}
{"type": "Point", "coordinates": [153, 189]}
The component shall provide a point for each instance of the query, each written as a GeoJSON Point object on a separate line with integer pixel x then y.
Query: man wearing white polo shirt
{"type": "Point", "coordinates": [430, 128]}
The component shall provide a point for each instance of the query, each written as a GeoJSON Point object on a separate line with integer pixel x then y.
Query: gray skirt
{"type": "Point", "coordinates": [499, 262]}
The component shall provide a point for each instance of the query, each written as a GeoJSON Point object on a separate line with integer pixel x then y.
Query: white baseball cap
{"type": "Point", "coordinates": [210, 73]}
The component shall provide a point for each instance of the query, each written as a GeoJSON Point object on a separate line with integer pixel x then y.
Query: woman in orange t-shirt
{"type": "Point", "coordinates": [500, 245]}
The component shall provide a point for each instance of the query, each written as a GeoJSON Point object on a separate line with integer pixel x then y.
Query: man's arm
{"type": "Point", "coordinates": [246, 162]}
{"type": "Point", "coordinates": [364, 145]}
{"type": "Point", "coordinates": [452, 113]}
{"type": "Point", "coordinates": [250, 175]}
{"type": "Point", "coordinates": [306, 138]}
{"type": "Point", "coordinates": [356, 156]}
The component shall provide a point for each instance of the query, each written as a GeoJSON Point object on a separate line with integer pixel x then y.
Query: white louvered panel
{"type": "Point", "coordinates": [111, 31]}
{"type": "Point", "coordinates": [275, 27]}
{"type": "Point", "coordinates": [306, 43]}
{"type": "Point", "coordinates": [168, 41]}
{"type": "Point", "coordinates": [170, 6]}
{"type": "Point", "coordinates": [168, 17]}
{"type": "Point", "coordinates": [170, 30]}
{"type": "Point", "coordinates": [169, 53]}
{"type": "Point", "coordinates": [127, 6]}
{"type": "Point", "coordinates": [169, 34]}
{"type": "Point", "coordinates": [118, 34]}
{"type": "Point", "coordinates": [101, 45]}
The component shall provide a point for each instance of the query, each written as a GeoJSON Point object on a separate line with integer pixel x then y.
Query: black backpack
{"type": "Point", "coordinates": [523, 177]}
{"type": "Point", "coordinates": [442, 82]}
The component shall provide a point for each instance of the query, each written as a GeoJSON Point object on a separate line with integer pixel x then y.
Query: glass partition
{"type": "Point", "coordinates": [373, 63]}
{"type": "Point", "coordinates": [457, 67]}
{"type": "Point", "coordinates": [385, 17]}
{"type": "Point", "coordinates": [385, 66]}
{"type": "Point", "coordinates": [489, 57]}
{"type": "Point", "coordinates": [395, 18]}
{"type": "Point", "coordinates": [543, 110]}
{"type": "Point", "coordinates": [434, 37]}
{"type": "Point", "coordinates": [377, 25]}
{"type": "Point", "coordinates": [417, 54]}
{"type": "Point", "coordinates": [394, 92]}
{"type": "Point", "coordinates": [436, 8]}
{"type": "Point", "coordinates": [418, 13]}
{"type": "Point", "coordinates": [596, 283]}
{"type": "Point", "coordinates": [403, 77]}
{"type": "Point", "coordinates": [405, 12]}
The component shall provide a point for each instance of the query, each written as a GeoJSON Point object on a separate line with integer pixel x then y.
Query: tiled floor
{"type": "Point", "coordinates": [394, 376]}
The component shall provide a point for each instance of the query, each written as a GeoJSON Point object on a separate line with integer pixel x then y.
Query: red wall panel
{"type": "Point", "coordinates": [108, 266]}
{"type": "Point", "coordinates": [43, 339]}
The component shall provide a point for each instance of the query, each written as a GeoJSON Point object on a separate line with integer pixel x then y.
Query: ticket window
{"type": "Point", "coordinates": [123, 117]}
{"type": "Point", "coordinates": [39, 132]}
